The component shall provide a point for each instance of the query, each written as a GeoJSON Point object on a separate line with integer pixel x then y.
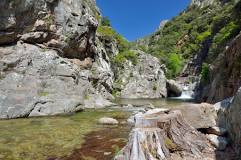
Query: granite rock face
{"type": "Point", "coordinates": [67, 25]}
{"type": "Point", "coordinates": [37, 82]}
{"type": "Point", "coordinates": [226, 72]}
{"type": "Point", "coordinates": [144, 80]}
{"type": "Point", "coordinates": [50, 59]}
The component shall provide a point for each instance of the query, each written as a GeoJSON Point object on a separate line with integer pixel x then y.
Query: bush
{"type": "Point", "coordinates": [120, 58]}
{"type": "Point", "coordinates": [174, 65]}
{"type": "Point", "coordinates": [203, 36]}
{"type": "Point", "coordinates": [123, 44]}
{"type": "Point", "coordinates": [106, 31]}
{"type": "Point", "coordinates": [110, 33]}
{"type": "Point", "coordinates": [205, 73]}
{"type": "Point", "coordinates": [226, 33]}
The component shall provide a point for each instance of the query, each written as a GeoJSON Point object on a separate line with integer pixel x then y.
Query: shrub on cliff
{"type": "Point", "coordinates": [205, 73]}
{"type": "Point", "coordinates": [208, 29]}
{"type": "Point", "coordinates": [204, 35]}
{"type": "Point", "coordinates": [120, 58]}
{"type": "Point", "coordinates": [226, 33]}
{"type": "Point", "coordinates": [174, 65]}
{"type": "Point", "coordinates": [110, 33]}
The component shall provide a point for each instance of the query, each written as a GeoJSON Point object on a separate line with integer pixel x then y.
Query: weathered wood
{"type": "Point", "coordinates": [164, 135]}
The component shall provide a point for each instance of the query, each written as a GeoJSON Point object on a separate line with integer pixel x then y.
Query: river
{"type": "Point", "coordinates": [71, 137]}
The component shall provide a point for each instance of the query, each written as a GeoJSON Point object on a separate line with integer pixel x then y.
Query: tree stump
{"type": "Point", "coordinates": [164, 135]}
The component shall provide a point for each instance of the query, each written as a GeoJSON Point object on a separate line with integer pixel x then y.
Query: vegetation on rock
{"type": "Point", "coordinates": [205, 73]}
{"type": "Point", "coordinates": [189, 33]}
{"type": "Point", "coordinates": [120, 58]}
{"type": "Point", "coordinates": [124, 46]}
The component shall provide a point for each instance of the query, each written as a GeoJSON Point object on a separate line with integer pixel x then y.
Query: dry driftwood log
{"type": "Point", "coordinates": [164, 135]}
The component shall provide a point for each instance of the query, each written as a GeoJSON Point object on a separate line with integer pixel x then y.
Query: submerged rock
{"type": "Point", "coordinates": [108, 121]}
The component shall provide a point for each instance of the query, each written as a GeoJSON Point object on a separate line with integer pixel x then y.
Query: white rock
{"type": "Point", "coordinates": [108, 121]}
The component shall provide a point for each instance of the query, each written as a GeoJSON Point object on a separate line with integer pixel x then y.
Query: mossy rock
{"type": "Point", "coordinates": [170, 145]}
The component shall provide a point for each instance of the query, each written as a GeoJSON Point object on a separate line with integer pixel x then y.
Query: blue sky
{"type": "Point", "coordinates": [137, 18]}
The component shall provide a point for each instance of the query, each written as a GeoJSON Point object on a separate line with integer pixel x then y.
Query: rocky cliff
{"type": "Point", "coordinates": [53, 61]}
{"type": "Point", "coordinates": [203, 3]}
{"type": "Point", "coordinates": [47, 51]}
{"type": "Point", "coordinates": [146, 79]}
{"type": "Point", "coordinates": [224, 74]}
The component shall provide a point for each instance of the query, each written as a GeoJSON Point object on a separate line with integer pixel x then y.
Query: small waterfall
{"type": "Point", "coordinates": [187, 93]}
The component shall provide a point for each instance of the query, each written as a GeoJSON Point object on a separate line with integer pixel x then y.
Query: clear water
{"type": "Point", "coordinates": [67, 137]}
{"type": "Point", "coordinates": [160, 103]}
{"type": "Point", "coordinates": [41, 138]}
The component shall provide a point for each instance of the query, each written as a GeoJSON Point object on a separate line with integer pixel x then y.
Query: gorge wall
{"type": "Point", "coordinates": [55, 58]}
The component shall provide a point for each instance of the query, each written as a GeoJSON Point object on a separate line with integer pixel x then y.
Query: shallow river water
{"type": "Point", "coordinates": [71, 137]}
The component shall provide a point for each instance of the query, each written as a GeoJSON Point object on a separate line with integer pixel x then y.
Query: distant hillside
{"type": "Point", "coordinates": [197, 35]}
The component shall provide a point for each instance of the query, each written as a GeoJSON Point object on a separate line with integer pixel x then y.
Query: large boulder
{"type": "Point", "coordinates": [146, 79]}
{"type": "Point", "coordinates": [173, 89]}
{"type": "Point", "coordinates": [37, 82]}
{"type": "Point", "coordinates": [200, 116]}
{"type": "Point", "coordinates": [51, 60]}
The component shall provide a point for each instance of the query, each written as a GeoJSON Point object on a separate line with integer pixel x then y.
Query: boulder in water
{"type": "Point", "coordinates": [173, 89]}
